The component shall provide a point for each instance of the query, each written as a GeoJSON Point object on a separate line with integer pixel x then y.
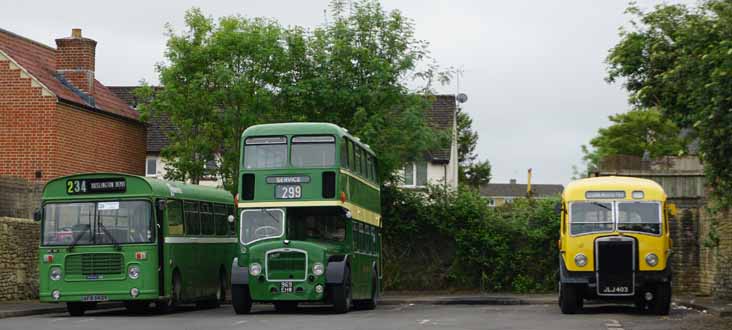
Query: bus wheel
{"type": "Point", "coordinates": [285, 306]}
{"type": "Point", "coordinates": [342, 294]}
{"type": "Point", "coordinates": [75, 308]}
{"type": "Point", "coordinates": [661, 303]}
{"type": "Point", "coordinates": [569, 299]}
{"type": "Point", "coordinates": [240, 299]}
{"type": "Point", "coordinates": [370, 303]}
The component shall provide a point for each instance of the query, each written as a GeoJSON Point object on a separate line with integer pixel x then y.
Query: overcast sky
{"type": "Point", "coordinates": [533, 70]}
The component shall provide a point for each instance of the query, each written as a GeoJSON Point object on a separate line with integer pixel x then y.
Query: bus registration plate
{"type": "Point", "coordinates": [94, 298]}
{"type": "Point", "coordinates": [288, 191]}
{"type": "Point", "coordinates": [286, 287]}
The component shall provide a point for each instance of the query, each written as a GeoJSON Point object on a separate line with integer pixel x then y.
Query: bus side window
{"type": "Point", "coordinates": [344, 153]}
{"type": "Point", "coordinates": [363, 163]}
{"type": "Point", "coordinates": [357, 152]}
{"type": "Point", "coordinates": [369, 167]}
{"type": "Point", "coordinates": [220, 215]}
{"type": "Point", "coordinates": [351, 155]}
{"type": "Point", "coordinates": [192, 221]}
{"type": "Point", "coordinates": [207, 220]}
{"type": "Point", "coordinates": [175, 218]}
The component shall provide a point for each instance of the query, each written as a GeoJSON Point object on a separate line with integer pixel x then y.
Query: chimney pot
{"type": "Point", "coordinates": [76, 33]}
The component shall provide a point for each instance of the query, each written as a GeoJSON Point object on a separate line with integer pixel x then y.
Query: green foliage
{"type": "Point", "coordinates": [221, 77]}
{"type": "Point", "coordinates": [471, 171]}
{"type": "Point", "coordinates": [678, 59]}
{"type": "Point", "coordinates": [445, 239]}
{"type": "Point", "coordinates": [635, 133]}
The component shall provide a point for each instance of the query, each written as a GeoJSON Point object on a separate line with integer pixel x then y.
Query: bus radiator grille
{"type": "Point", "coordinates": [94, 264]}
{"type": "Point", "coordinates": [286, 266]}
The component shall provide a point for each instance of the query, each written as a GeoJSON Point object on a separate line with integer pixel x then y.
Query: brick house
{"type": "Point", "coordinates": [57, 119]}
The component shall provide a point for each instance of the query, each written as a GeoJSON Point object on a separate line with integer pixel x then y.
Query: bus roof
{"type": "Point", "coordinates": [137, 186]}
{"type": "Point", "coordinates": [302, 129]}
{"type": "Point", "coordinates": [576, 190]}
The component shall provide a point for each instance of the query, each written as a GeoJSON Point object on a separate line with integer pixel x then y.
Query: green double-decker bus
{"type": "Point", "coordinates": [145, 242]}
{"type": "Point", "coordinates": [309, 213]}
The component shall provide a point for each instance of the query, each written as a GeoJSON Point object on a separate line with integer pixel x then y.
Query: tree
{"type": "Point", "coordinates": [471, 171]}
{"type": "Point", "coordinates": [222, 77]}
{"type": "Point", "coordinates": [635, 133]}
{"type": "Point", "coordinates": [678, 59]}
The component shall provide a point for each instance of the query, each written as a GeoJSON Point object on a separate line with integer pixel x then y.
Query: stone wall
{"type": "Point", "coordinates": [19, 240]}
{"type": "Point", "coordinates": [19, 197]}
{"type": "Point", "coordinates": [716, 238]}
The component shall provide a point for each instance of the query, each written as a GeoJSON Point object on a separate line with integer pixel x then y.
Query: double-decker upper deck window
{"type": "Point", "coordinates": [265, 152]}
{"type": "Point", "coordinates": [313, 151]}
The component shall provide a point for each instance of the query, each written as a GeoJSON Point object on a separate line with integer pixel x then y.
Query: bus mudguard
{"type": "Point", "coordinates": [335, 269]}
{"type": "Point", "coordinates": [239, 275]}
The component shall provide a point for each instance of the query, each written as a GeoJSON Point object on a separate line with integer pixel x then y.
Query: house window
{"type": "Point", "coordinates": [491, 202]}
{"type": "Point", "coordinates": [151, 167]}
{"type": "Point", "coordinates": [415, 174]}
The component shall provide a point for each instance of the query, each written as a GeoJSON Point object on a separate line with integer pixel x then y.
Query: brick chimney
{"type": "Point", "coordinates": [75, 61]}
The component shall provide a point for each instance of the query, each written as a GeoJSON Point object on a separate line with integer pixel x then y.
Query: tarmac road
{"type": "Point", "coordinates": [404, 316]}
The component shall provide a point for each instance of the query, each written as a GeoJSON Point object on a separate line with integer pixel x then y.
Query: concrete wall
{"type": "Point", "coordinates": [18, 259]}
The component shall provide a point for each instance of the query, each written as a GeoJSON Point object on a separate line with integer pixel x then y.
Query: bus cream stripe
{"type": "Point", "coordinates": [199, 240]}
{"type": "Point", "coordinates": [358, 213]}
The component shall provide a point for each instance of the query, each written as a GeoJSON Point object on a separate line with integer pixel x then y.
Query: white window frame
{"type": "Point", "coordinates": [414, 184]}
{"type": "Point", "coordinates": [147, 168]}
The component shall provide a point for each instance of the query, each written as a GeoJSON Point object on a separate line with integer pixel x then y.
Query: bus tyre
{"type": "Point", "coordinates": [285, 306]}
{"type": "Point", "coordinates": [75, 308]}
{"type": "Point", "coordinates": [569, 300]}
{"type": "Point", "coordinates": [342, 294]}
{"type": "Point", "coordinates": [240, 299]}
{"type": "Point", "coordinates": [661, 303]}
{"type": "Point", "coordinates": [370, 303]}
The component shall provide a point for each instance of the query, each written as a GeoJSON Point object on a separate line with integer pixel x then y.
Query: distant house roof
{"type": "Point", "coordinates": [441, 116]}
{"type": "Point", "coordinates": [39, 61]}
{"type": "Point", "coordinates": [519, 190]}
{"type": "Point", "coordinates": [159, 125]}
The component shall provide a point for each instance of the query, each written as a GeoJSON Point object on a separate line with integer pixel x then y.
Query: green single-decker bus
{"type": "Point", "coordinates": [132, 239]}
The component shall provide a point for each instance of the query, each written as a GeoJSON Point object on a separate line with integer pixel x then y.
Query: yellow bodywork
{"type": "Point", "coordinates": [570, 245]}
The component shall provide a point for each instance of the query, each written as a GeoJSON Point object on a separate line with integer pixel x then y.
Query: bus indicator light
{"type": "Point", "coordinates": [343, 197]}
{"type": "Point", "coordinates": [48, 258]}
{"type": "Point", "coordinates": [140, 255]}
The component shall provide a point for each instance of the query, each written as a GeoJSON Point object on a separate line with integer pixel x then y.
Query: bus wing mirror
{"type": "Point", "coordinates": [37, 215]}
{"type": "Point", "coordinates": [161, 204]}
{"type": "Point", "coordinates": [672, 210]}
{"type": "Point", "coordinates": [230, 218]}
{"type": "Point", "coordinates": [558, 208]}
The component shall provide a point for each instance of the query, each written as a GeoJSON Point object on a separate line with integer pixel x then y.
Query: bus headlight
{"type": "Point", "coordinates": [318, 269]}
{"type": "Point", "coordinates": [652, 259]}
{"type": "Point", "coordinates": [580, 260]}
{"type": "Point", "coordinates": [255, 269]}
{"type": "Point", "coordinates": [55, 273]}
{"type": "Point", "coordinates": [133, 272]}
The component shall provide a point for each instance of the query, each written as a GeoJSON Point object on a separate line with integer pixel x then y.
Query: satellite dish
{"type": "Point", "coordinates": [462, 97]}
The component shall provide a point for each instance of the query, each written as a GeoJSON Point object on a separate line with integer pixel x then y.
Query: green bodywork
{"type": "Point", "coordinates": [359, 192]}
{"type": "Point", "coordinates": [198, 265]}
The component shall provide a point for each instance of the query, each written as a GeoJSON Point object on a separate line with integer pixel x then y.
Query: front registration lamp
{"type": "Point", "coordinates": [318, 269]}
{"type": "Point", "coordinates": [255, 269]}
{"type": "Point", "coordinates": [133, 272]}
{"type": "Point", "coordinates": [56, 295]}
{"type": "Point", "coordinates": [55, 273]}
{"type": "Point", "coordinates": [580, 260]}
{"type": "Point", "coordinates": [652, 259]}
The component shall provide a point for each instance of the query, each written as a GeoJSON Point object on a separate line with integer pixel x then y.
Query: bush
{"type": "Point", "coordinates": [445, 240]}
